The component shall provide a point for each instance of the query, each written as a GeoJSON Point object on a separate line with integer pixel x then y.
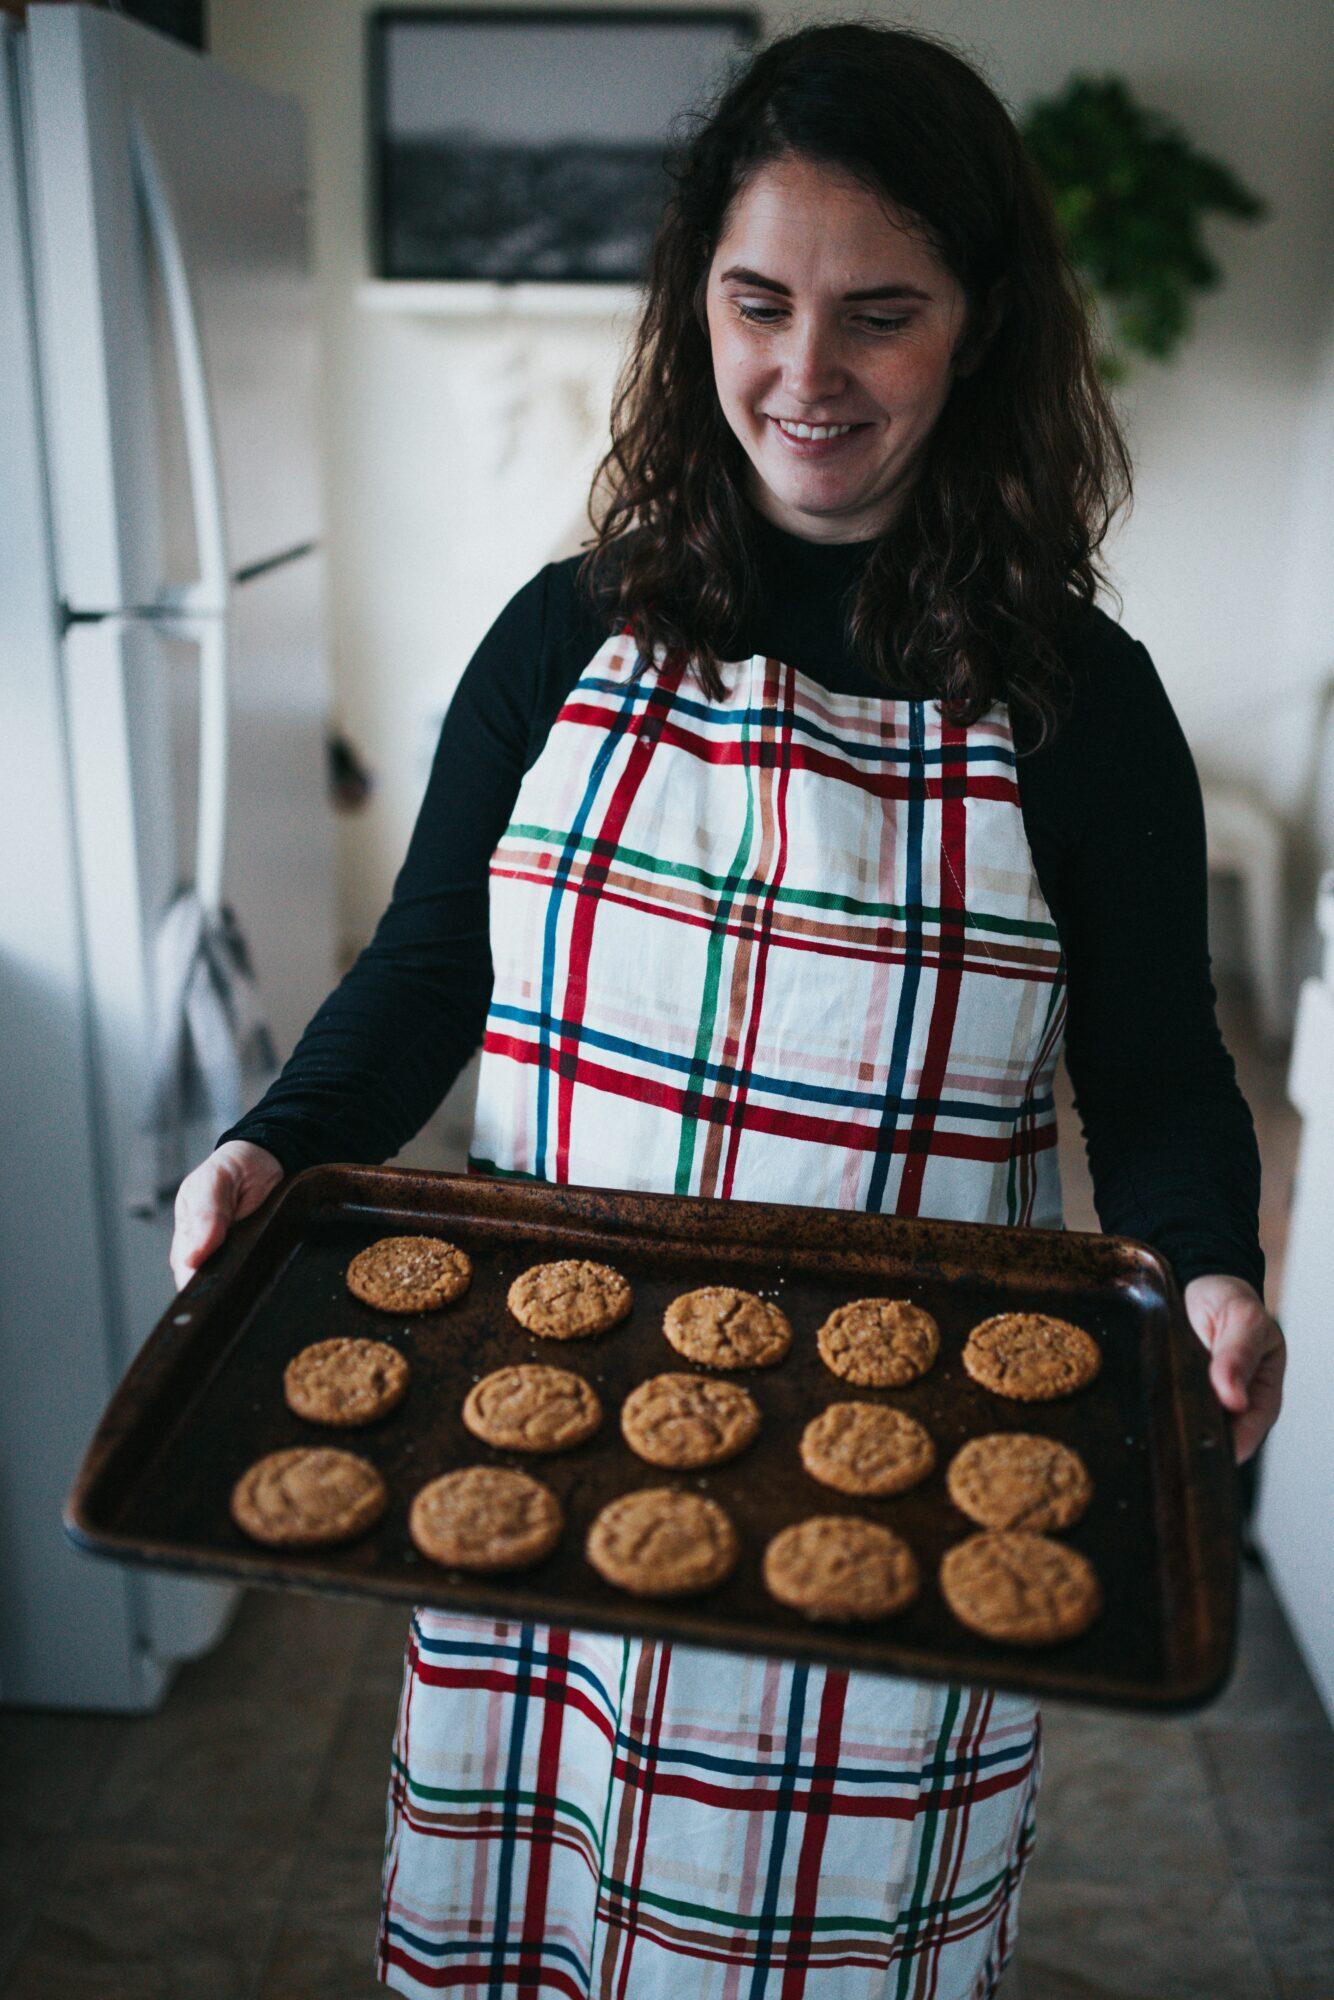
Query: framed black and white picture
{"type": "Point", "coordinates": [528, 145]}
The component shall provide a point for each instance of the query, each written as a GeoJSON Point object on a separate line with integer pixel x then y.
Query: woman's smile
{"type": "Point", "coordinates": [814, 440]}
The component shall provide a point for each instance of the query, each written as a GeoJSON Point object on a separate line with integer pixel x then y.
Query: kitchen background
{"type": "Point", "coordinates": [457, 449]}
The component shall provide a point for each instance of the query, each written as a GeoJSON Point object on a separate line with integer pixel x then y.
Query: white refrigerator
{"type": "Point", "coordinates": [166, 837]}
{"type": "Point", "coordinates": [1296, 1479]}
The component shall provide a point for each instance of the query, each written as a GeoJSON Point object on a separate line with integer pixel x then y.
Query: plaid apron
{"type": "Point", "coordinates": [789, 945]}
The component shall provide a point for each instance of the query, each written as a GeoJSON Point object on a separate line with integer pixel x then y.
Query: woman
{"type": "Point", "coordinates": [802, 818]}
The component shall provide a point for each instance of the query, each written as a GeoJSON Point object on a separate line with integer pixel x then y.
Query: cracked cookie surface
{"type": "Point", "coordinates": [1012, 1479]}
{"type": "Point", "coordinates": [569, 1298]}
{"type": "Point", "coordinates": [866, 1448]}
{"type": "Point", "coordinates": [719, 1326]}
{"type": "Point", "coordinates": [485, 1517]}
{"type": "Point", "coordinates": [879, 1343]}
{"type": "Point", "coordinates": [688, 1420]}
{"type": "Point", "coordinates": [530, 1407]}
{"type": "Point", "coordinates": [345, 1381]}
{"type": "Point", "coordinates": [309, 1495]}
{"type": "Point", "coordinates": [1020, 1587]}
{"type": "Point", "coordinates": [408, 1274]}
{"type": "Point", "coordinates": [840, 1566]}
{"type": "Point", "coordinates": [660, 1542]}
{"type": "Point", "coordinates": [1031, 1357]}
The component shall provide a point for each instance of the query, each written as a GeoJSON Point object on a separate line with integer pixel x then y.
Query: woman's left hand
{"type": "Point", "coordinates": [1247, 1354]}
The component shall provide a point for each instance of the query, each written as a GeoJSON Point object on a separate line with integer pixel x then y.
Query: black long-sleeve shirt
{"type": "Point", "coordinates": [1112, 809]}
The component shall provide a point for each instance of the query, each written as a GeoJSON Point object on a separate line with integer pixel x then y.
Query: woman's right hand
{"type": "Point", "coordinates": [230, 1183]}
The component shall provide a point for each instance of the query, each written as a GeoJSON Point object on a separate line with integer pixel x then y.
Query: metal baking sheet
{"type": "Point", "coordinates": [204, 1399]}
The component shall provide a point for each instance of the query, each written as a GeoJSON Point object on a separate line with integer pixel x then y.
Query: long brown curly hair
{"type": "Point", "coordinates": [966, 596]}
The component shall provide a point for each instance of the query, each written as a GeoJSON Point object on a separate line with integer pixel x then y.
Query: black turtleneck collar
{"type": "Point", "coordinates": [804, 593]}
{"type": "Point", "coordinates": [780, 548]}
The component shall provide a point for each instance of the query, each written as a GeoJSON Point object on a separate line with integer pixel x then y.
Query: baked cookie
{"type": "Point", "coordinates": [1031, 1356]}
{"type": "Point", "coordinates": [866, 1448]}
{"type": "Point", "coordinates": [308, 1496]}
{"type": "Point", "coordinates": [409, 1274]}
{"type": "Point", "coordinates": [485, 1517]}
{"type": "Point", "coordinates": [660, 1542]}
{"type": "Point", "coordinates": [1020, 1587]}
{"type": "Point", "coordinates": [1013, 1480]}
{"type": "Point", "coordinates": [345, 1381]}
{"type": "Point", "coordinates": [530, 1407]}
{"type": "Point", "coordinates": [721, 1327]}
{"type": "Point", "coordinates": [570, 1298]}
{"type": "Point", "coordinates": [688, 1420]}
{"type": "Point", "coordinates": [879, 1343]}
{"type": "Point", "coordinates": [840, 1566]}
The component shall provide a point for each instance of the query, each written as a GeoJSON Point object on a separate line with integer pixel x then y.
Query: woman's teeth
{"type": "Point", "coordinates": [813, 430]}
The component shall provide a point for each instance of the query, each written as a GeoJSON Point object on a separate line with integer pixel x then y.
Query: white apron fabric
{"type": "Point", "coordinates": [786, 946]}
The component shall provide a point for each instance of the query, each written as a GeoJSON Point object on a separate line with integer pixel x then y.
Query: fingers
{"type": "Point", "coordinates": [1248, 1434]}
{"type": "Point", "coordinates": [1265, 1402]}
{"type": "Point", "coordinates": [193, 1245]}
{"type": "Point", "coordinates": [1228, 1384]}
{"type": "Point", "coordinates": [1246, 1371]}
{"type": "Point", "coordinates": [1240, 1344]}
{"type": "Point", "coordinates": [205, 1207]}
{"type": "Point", "coordinates": [260, 1173]}
{"type": "Point", "coordinates": [1225, 1311]}
{"type": "Point", "coordinates": [231, 1183]}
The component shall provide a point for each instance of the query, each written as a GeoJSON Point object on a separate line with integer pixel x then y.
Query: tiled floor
{"type": "Point", "coordinates": [228, 1847]}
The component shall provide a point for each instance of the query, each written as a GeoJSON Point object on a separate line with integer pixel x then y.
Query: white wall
{"type": "Point", "coordinates": [438, 511]}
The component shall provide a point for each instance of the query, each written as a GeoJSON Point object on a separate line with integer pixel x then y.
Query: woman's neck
{"type": "Point", "coordinates": [792, 563]}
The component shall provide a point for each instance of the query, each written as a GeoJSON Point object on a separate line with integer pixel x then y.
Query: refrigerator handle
{"type": "Point", "coordinates": [211, 824]}
{"type": "Point", "coordinates": [210, 636]}
{"type": "Point", "coordinates": [209, 591]}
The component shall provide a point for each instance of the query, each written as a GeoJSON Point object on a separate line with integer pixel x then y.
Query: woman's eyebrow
{"type": "Point", "coordinates": [746, 277]}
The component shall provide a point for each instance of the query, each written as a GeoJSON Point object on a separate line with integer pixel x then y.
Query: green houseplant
{"type": "Point", "coordinates": [1131, 194]}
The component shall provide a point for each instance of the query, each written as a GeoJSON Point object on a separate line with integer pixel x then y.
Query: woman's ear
{"type": "Point", "coordinates": [975, 344]}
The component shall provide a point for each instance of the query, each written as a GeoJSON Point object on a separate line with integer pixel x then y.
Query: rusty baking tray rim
{"type": "Point", "coordinates": [405, 1193]}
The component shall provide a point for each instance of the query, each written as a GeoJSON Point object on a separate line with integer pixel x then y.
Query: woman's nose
{"type": "Point", "coordinates": [812, 364]}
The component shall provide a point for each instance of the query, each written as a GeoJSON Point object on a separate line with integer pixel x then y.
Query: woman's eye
{"type": "Point", "coordinates": [766, 315]}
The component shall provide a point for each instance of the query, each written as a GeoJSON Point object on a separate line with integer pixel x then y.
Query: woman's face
{"type": "Point", "coordinates": [794, 344]}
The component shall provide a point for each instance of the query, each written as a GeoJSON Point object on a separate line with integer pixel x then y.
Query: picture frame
{"type": "Point", "coordinates": [526, 146]}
